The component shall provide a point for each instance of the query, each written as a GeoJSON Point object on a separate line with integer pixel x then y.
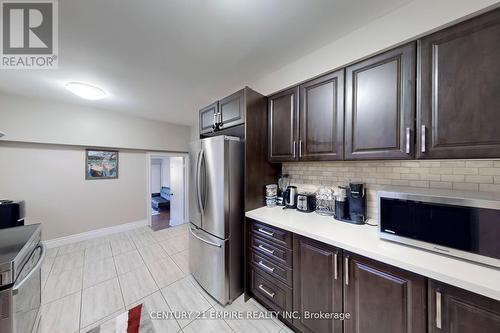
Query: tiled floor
{"type": "Point", "coordinates": [89, 283]}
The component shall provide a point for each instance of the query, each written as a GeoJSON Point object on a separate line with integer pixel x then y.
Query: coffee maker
{"type": "Point", "coordinates": [350, 204]}
{"type": "Point", "coordinates": [357, 203]}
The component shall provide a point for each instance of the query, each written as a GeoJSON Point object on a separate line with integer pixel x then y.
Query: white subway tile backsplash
{"type": "Point", "coordinates": [471, 175]}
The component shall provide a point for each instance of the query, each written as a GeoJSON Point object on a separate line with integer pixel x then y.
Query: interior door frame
{"type": "Point", "coordinates": [149, 158]}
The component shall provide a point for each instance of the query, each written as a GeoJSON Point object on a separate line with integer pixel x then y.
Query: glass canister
{"type": "Point", "coordinates": [325, 201]}
{"type": "Point", "coordinates": [271, 201]}
{"type": "Point", "coordinates": [271, 190]}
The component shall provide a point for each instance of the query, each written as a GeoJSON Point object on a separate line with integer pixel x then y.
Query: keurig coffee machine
{"type": "Point", "coordinates": [350, 203]}
{"type": "Point", "coordinates": [357, 203]}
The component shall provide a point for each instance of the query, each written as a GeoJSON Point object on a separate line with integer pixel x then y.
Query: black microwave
{"type": "Point", "coordinates": [456, 223]}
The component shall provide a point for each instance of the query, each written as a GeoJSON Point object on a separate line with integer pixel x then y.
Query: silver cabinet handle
{"type": "Point", "coordinates": [219, 118]}
{"type": "Point", "coordinates": [203, 240]}
{"type": "Point", "coordinates": [438, 309]}
{"type": "Point", "coordinates": [300, 148]}
{"type": "Point", "coordinates": [294, 149]}
{"type": "Point", "coordinates": [265, 232]}
{"type": "Point", "coordinates": [335, 266]}
{"type": "Point", "coordinates": [265, 249]}
{"type": "Point", "coordinates": [215, 118]}
{"type": "Point", "coordinates": [270, 294]}
{"type": "Point", "coordinates": [408, 139]}
{"type": "Point", "coordinates": [271, 269]}
{"type": "Point", "coordinates": [346, 271]}
{"type": "Point", "coordinates": [423, 148]}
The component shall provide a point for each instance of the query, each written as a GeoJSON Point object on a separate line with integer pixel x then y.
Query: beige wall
{"type": "Point", "coordinates": [51, 179]}
{"type": "Point", "coordinates": [470, 175]}
{"type": "Point", "coordinates": [31, 120]}
{"type": "Point", "coordinates": [405, 23]}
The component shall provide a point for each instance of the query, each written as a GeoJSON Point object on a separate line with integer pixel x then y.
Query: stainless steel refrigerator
{"type": "Point", "coordinates": [216, 216]}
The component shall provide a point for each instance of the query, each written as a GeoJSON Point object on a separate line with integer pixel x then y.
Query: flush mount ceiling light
{"type": "Point", "coordinates": [86, 91]}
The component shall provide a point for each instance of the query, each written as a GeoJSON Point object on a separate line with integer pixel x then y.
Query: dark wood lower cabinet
{"type": "Point", "coordinates": [313, 277]}
{"type": "Point", "coordinates": [454, 310]}
{"type": "Point", "coordinates": [317, 284]}
{"type": "Point", "coordinates": [382, 298]}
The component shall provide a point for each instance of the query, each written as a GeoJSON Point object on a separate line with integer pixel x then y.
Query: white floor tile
{"type": "Point", "coordinates": [95, 272]}
{"type": "Point", "coordinates": [181, 259]}
{"type": "Point", "coordinates": [137, 284]}
{"type": "Point", "coordinates": [46, 268]}
{"type": "Point", "coordinates": [128, 261]}
{"type": "Point", "coordinates": [62, 315]}
{"type": "Point", "coordinates": [207, 326]}
{"type": "Point", "coordinates": [152, 253]}
{"type": "Point", "coordinates": [99, 252]}
{"type": "Point", "coordinates": [209, 298]}
{"type": "Point", "coordinates": [100, 301]}
{"type": "Point", "coordinates": [119, 246]}
{"type": "Point", "coordinates": [52, 252]}
{"type": "Point", "coordinates": [68, 261]}
{"type": "Point", "coordinates": [156, 302]}
{"type": "Point", "coordinates": [182, 296]}
{"type": "Point", "coordinates": [165, 272]}
{"type": "Point", "coordinates": [62, 284]}
{"type": "Point", "coordinates": [68, 248]}
{"type": "Point", "coordinates": [175, 244]}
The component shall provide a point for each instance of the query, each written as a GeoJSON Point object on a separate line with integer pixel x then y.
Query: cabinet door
{"type": "Point", "coordinates": [382, 298]}
{"type": "Point", "coordinates": [208, 117]}
{"type": "Point", "coordinates": [317, 284]}
{"type": "Point", "coordinates": [380, 106]}
{"type": "Point", "coordinates": [283, 125]}
{"type": "Point", "coordinates": [454, 310]}
{"type": "Point", "coordinates": [459, 90]}
{"type": "Point", "coordinates": [232, 110]}
{"type": "Point", "coordinates": [322, 118]}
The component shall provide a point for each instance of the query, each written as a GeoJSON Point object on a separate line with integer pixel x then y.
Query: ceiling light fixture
{"type": "Point", "coordinates": [86, 91]}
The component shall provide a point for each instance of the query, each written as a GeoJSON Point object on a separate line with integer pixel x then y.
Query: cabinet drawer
{"type": "Point", "coordinates": [279, 236]}
{"type": "Point", "coordinates": [279, 254]}
{"type": "Point", "coordinates": [275, 295]}
{"type": "Point", "coordinates": [283, 274]}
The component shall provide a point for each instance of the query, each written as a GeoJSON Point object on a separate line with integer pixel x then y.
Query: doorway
{"type": "Point", "coordinates": [167, 190]}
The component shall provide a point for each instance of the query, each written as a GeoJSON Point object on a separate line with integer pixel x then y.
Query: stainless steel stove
{"type": "Point", "coordinates": [21, 257]}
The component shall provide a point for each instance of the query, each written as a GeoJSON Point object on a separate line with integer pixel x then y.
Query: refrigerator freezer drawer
{"type": "Point", "coordinates": [208, 262]}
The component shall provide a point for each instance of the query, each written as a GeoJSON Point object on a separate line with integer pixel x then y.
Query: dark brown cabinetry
{"type": "Point", "coordinates": [380, 110]}
{"type": "Point", "coordinates": [317, 284]}
{"type": "Point", "coordinates": [453, 310]}
{"type": "Point", "coordinates": [321, 118]}
{"type": "Point", "coordinates": [208, 117]}
{"type": "Point", "coordinates": [283, 125]}
{"type": "Point", "coordinates": [382, 298]}
{"type": "Point", "coordinates": [232, 110]}
{"type": "Point", "coordinates": [459, 90]}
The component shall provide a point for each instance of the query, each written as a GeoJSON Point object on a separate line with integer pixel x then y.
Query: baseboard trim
{"type": "Point", "coordinates": [94, 234]}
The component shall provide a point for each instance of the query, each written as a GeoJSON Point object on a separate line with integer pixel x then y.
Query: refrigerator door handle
{"type": "Point", "coordinates": [198, 181]}
{"type": "Point", "coordinates": [203, 240]}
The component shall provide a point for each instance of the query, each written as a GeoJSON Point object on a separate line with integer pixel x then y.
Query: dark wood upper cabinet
{"type": "Point", "coordinates": [317, 284]}
{"type": "Point", "coordinates": [383, 298]}
{"type": "Point", "coordinates": [283, 125]}
{"type": "Point", "coordinates": [380, 106]}
{"type": "Point", "coordinates": [321, 118]}
{"type": "Point", "coordinates": [232, 110]}
{"type": "Point", "coordinates": [208, 117]}
{"type": "Point", "coordinates": [454, 310]}
{"type": "Point", "coordinates": [459, 90]}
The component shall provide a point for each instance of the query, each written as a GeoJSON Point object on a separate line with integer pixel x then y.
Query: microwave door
{"type": "Point", "coordinates": [195, 188]}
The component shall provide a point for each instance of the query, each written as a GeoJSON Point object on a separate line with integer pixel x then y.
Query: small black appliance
{"type": "Point", "coordinates": [357, 203]}
{"type": "Point", "coordinates": [341, 207]}
{"type": "Point", "coordinates": [11, 213]}
{"type": "Point", "coordinates": [306, 202]}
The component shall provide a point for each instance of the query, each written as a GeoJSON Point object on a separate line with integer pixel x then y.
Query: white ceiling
{"type": "Point", "coordinates": [166, 59]}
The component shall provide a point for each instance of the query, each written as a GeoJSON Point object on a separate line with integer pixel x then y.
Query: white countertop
{"type": "Point", "coordinates": [364, 240]}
